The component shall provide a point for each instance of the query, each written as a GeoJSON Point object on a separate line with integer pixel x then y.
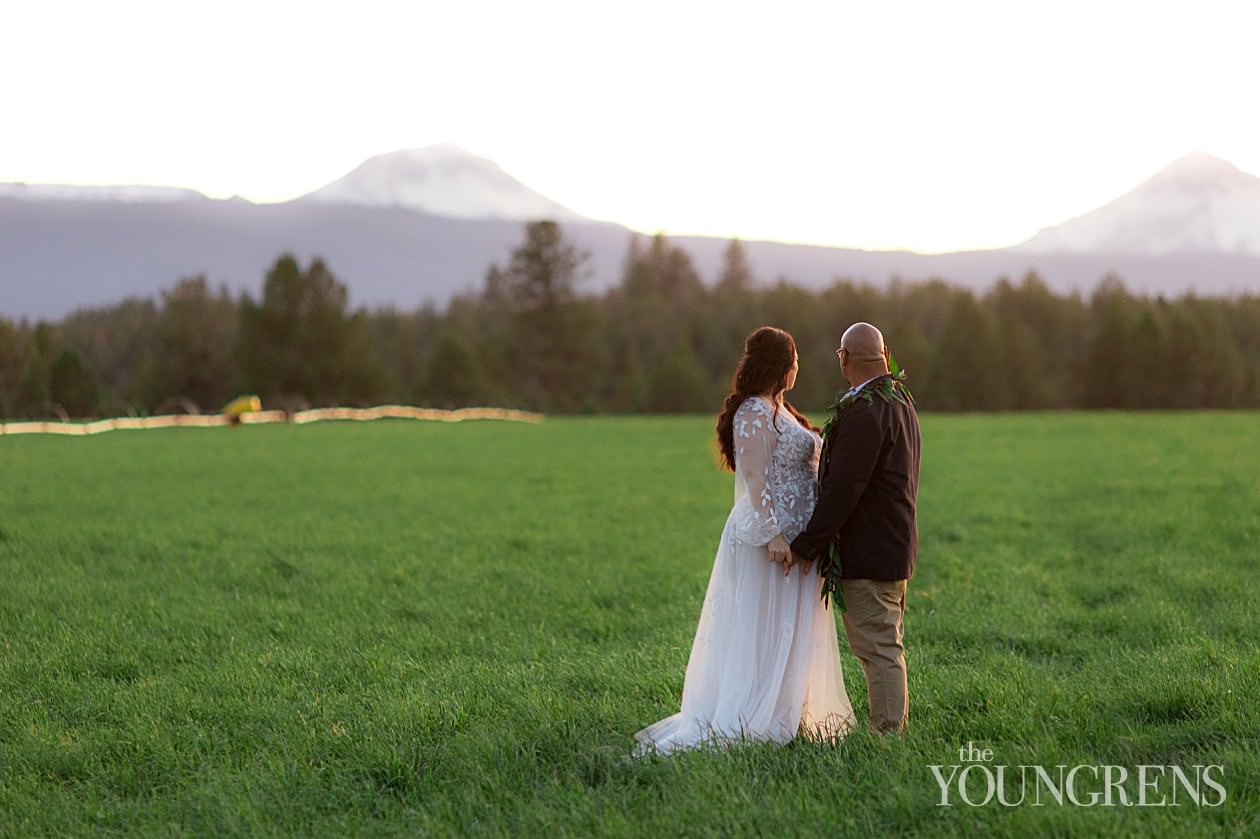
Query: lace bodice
{"type": "Point", "coordinates": [776, 469]}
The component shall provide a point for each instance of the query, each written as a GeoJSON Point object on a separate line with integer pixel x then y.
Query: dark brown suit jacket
{"type": "Point", "coordinates": [867, 493]}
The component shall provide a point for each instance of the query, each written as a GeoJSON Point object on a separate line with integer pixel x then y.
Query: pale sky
{"type": "Point", "coordinates": [928, 125]}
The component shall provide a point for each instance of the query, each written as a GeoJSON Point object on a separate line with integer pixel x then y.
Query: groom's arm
{"type": "Point", "coordinates": [853, 453]}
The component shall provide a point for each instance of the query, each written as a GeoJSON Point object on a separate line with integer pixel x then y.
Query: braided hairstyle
{"type": "Point", "coordinates": [763, 368]}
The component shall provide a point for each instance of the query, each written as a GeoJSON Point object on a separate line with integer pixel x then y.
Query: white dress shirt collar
{"type": "Point", "coordinates": [854, 390]}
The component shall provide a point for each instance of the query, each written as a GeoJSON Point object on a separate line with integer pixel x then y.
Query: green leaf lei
{"type": "Point", "coordinates": [891, 388]}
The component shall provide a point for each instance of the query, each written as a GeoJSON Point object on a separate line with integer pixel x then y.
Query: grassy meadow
{"type": "Point", "coordinates": [420, 629]}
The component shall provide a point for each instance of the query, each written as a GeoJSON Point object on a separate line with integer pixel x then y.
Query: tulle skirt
{"type": "Point", "coordinates": [765, 663]}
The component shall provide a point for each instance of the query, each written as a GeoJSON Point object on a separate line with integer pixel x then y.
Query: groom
{"type": "Point", "coordinates": [868, 484]}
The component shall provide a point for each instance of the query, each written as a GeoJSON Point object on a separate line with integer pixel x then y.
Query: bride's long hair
{"type": "Point", "coordinates": [763, 368]}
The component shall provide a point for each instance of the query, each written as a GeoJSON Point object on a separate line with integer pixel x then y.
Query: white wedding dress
{"type": "Point", "coordinates": [765, 664]}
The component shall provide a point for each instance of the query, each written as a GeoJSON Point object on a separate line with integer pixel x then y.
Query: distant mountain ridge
{"type": "Point", "coordinates": [126, 194]}
{"type": "Point", "coordinates": [423, 225]}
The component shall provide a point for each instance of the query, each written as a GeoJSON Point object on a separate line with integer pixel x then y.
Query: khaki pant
{"type": "Point", "coordinates": [873, 622]}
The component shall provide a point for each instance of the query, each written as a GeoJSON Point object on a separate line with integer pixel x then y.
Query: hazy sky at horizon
{"type": "Point", "coordinates": [930, 126]}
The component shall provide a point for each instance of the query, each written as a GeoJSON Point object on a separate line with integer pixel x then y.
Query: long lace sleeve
{"type": "Point", "coordinates": [755, 436]}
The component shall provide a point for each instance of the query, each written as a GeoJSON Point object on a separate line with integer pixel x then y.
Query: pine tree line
{"type": "Point", "coordinates": [660, 341]}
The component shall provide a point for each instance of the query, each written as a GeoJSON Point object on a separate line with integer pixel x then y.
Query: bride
{"type": "Point", "coordinates": [765, 663]}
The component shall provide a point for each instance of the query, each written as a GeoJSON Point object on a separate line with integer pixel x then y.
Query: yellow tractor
{"type": "Point", "coordinates": [241, 405]}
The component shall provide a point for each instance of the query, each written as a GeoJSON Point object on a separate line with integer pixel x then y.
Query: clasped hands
{"type": "Point", "coordinates": [781, 553]}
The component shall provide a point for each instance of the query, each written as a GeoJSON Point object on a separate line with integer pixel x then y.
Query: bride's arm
{"type": "Point", "coordinates": [755, 436]}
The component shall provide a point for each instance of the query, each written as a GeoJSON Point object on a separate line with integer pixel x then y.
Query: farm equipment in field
{"type": "Point", "coordinates": [241, 405]}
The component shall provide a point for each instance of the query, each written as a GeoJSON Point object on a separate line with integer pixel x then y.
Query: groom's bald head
{"type": "Point", "coordinates": [863, 355]}
{"type": "Point", "coordinates": [863, 342]}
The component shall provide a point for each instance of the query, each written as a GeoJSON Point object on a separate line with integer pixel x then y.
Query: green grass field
{"type": "Point", "coordinates": [412, 629]}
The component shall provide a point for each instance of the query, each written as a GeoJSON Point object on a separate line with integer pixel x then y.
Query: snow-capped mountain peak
{"type": "Point", "coordinates": [1197, 204]}
{"type": "Point", "coordinates": [442, 180]}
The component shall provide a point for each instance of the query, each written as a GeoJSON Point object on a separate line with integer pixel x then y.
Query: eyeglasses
{"type": "Point", "coordinates": [840, 351]}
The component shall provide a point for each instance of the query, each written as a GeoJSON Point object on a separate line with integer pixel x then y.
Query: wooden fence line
{"type": "Point", "coordinates": [258, 417]}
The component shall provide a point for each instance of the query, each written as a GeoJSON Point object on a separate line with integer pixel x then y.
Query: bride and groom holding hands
{"type": "Point", "coordinates": [820, 518]}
